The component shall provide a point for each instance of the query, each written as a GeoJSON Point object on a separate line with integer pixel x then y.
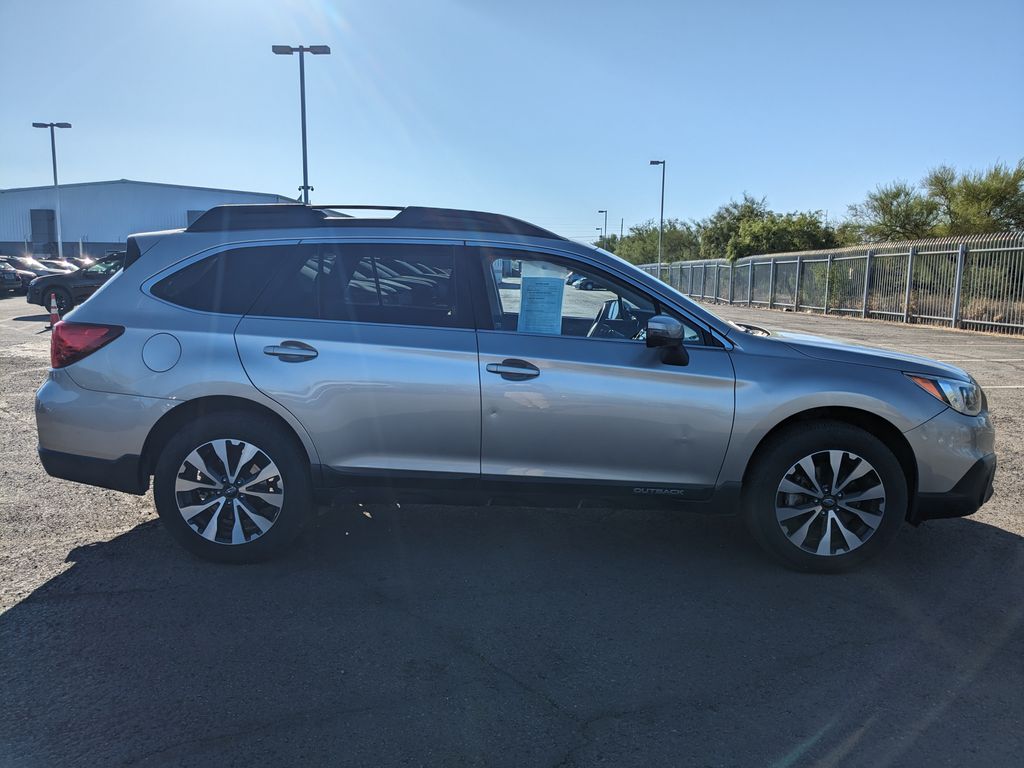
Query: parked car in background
{"type": "Point", "coordinates": [9, 280]}
{"type": "Point", "coordinates": [28, 268]}
{"type": "Point", "coordinates": [81, 261]}
{"type": "Point", "coordinates": [70, 289]}
{"type": "Point", "coordinates": [59, 264]}
{"type": "Point", "coordinates": [269, 351]}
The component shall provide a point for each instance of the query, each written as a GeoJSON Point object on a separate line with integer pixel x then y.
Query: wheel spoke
{"type": "Point", "coordinates": [870, 519]}
{"type": "Point", "coordinates": [788, 486]}
{"type": "Point", "coordinates": [249, 452]}
{"type": "Point", "coordinates": [800, 535]}
{"type": "Point", "coordinates": [835, 460]}
{"type": "Point", "coordinates": [237, 534]}
{"type": "Point", "coordinates": [788, 513]}
{"type": "Point", "coordinates": [852, 541]}
{"type": "Point", "coordinates": [876, 492]}
{"type": "Point", "coordinates": [807, 464]}
{"type": "Point", "coordinates": [260, 521]}
{"type": "Point", "coordinates": [265, 474]}
{"type": "Point", "coordinates": [181, 484]}
{"type": "Point", "coordinates": [210, 531]}
{"type": "Point", "coordinates": [270, 498]}
{"type": "Point", "coordinates": [860, 471]}
{"type": "Point", "coordinates": [194, 509]}
{"type": "Point", "coordinates": [825, 545]}
{"type": "Point", "coordinates": [199, 463]}
{"type": "Point", "coordinates": [220, 447]}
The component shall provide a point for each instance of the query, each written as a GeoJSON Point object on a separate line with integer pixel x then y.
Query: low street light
{"type": "Point", "coordinates": [605, 231]}
{"type": "Point", "coordinates": [316, 50]}
{"type": "Point", "coordinates": [661, 219]}
{"type": "Point", "coordinates": [56, 188]}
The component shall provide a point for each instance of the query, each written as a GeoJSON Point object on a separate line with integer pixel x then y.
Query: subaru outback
{"type": "Point", "coordinates": [268, 355]}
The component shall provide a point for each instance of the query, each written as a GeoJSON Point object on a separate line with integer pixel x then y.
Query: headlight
{"type": "Point", "coordinates": [962, 396]}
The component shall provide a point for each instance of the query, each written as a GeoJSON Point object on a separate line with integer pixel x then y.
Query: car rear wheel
{"type": "Point", "coordinates": [825, 496]}
{"type": "Point", "coordinates": [233, 487]}
{"type": "Point", "coordinates": [64, 301]}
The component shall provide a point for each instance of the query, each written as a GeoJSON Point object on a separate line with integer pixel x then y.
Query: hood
{"type": "Point", "coordinates": [835, 350]}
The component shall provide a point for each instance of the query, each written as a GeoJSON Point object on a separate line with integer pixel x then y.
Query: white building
{"type": "Point", "coordinates": [101, 214]}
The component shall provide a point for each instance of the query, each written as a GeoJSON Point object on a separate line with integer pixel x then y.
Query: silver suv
{"type": "Point", "coordinates": [267, 354]}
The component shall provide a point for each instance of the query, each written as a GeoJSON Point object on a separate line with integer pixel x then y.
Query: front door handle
{"type": "Point", "coordinates": [514, 370]}
{"type": "Point", "coordinates": [291, 351]}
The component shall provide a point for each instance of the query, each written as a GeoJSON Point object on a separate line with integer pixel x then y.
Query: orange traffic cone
{"type": "Point", "coordinates": [54, 313]}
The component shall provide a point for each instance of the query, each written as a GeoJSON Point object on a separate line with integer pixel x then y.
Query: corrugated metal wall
{"type": "Point", "coordinates": [110, 211]}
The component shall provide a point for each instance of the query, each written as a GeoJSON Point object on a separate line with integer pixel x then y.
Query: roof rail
{"type": "Point", "coordinates": [260, 216]}
{"type": "Point", "coordinates": [296, 215]}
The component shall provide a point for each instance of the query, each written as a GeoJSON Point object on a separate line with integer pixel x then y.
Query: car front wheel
{"type": "Point", "coordinates": [825, 496]}
{"type": "Point", "coordinates": [233, 487]}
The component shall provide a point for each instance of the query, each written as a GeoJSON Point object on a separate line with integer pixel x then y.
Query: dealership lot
{"type": "Point", "coordinates": [505, 636]}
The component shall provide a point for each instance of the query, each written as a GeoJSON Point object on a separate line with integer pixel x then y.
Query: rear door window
{"type": "Point", "coordinates": [408, 284]}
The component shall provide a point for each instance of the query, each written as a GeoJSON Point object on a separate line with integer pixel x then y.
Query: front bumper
{"type": "Point", "coordinates": [965, 498]}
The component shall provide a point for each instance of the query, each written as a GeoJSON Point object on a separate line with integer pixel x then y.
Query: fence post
{"type": "Point", "coordinates": [750, 281]}
{"type": "Point", "coordinates": [910, 284]}
{"type": "Point", "coordinates": [732, 279]}
{"type": "Point", "coordinates": [958, 287]}
{"type": "Point", "coordinates": [796, 286]}
{"type": "Point", "coordinates": [771, 284]}
{"type": "Point", "coordinates": [828, 277]}
{"type": "Point", "coordinates": [867, 281]}
{"type": "Point", "coordinates": [718, 274]}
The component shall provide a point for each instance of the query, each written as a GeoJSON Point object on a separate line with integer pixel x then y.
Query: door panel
{"type": "Point", "coordinates": [377, 397]}
{"type": "Point", "coordinates": [371, 346]}
{"type": "Point", "coordinates": [604, 410]}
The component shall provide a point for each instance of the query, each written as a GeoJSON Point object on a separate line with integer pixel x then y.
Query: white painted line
{"type": "Point", "coordinates": [1002, 386]}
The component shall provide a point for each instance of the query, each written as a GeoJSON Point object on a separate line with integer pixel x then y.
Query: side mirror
{"type": "Point", "coordinates": [666, 332]}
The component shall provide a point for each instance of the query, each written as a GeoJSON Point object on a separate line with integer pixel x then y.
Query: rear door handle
{"type": "Point", "coordinates": [291, 351]}
{"type": "Point", "coordinates": [514, 370]}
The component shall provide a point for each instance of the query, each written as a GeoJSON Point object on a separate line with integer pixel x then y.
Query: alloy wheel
{"type": "Point", "coordinates": [229, 491]}
{"type": "Point", "coordinates": [830, 502]}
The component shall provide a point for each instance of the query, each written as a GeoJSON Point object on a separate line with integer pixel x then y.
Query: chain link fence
{"type": "Point", "coordinates": [963, 282]}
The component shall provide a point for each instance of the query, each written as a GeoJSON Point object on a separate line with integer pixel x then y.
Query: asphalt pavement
{"type": "Point", "coordinates": [433, 635]}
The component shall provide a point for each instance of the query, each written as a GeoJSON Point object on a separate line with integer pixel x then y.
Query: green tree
{"type": "Point", "coordinates": [720, 227]}
{"type": "Point", "coordinates": [979, 202]}
{"type": "Point", "coordinates": [779, 232]}
{"type": "Point", "coordinates": [680, 242]}
{"type": "Point", "coordinates": [897, 211]}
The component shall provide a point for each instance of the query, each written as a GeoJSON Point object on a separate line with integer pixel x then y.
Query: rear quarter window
{"type": "Point", "coordinates": [228, 282]}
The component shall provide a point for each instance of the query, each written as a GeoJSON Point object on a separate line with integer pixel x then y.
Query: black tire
{"type": "Point", "coordinates": [781, 453]}
{"type": "Point", "coordinates": [276, 444]}
{"type": "Point", "coordinates": [64, 301]}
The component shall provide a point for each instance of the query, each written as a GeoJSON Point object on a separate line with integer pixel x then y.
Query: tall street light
{"type": "Point", "coordinates": [661, 220]}
{"type": "Point", "coordinates": [316, 50]}
{"type": "Point", "coordinates": [56, 189]}
{"type": "Point", "coordinates": [605, 231]}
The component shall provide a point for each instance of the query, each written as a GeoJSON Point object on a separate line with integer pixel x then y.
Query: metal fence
{"type": "Point", "coordinates": [964, 282]}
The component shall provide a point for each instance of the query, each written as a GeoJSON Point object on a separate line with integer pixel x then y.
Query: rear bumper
{"type": "Point", "coordinates": [965, 498]}
{"type": "Point", "coordinates": [120, 474]}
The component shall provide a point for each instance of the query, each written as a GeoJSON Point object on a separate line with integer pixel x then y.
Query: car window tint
{"type": "Point", "coordinates": [381, 283]}
{"type": "Point", "coordinates": [537, 293]}
{"type": "Point", "coordinates": [227, 282]}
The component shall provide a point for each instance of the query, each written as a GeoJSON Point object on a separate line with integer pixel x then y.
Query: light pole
{"type": "Point", "coordinates": [604, 232]}
{"type": "Point", "coordinates": [316, 50]}
{"type": "Point", "coordinates": [599, 236]}
{"type": "Point", "coordinates": [661, 220]}
{"type": "Point", "coordinates": [56, 189]}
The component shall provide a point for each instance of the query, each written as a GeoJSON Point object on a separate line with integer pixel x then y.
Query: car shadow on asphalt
{"type": "Point", "coordinates": [497, 636]}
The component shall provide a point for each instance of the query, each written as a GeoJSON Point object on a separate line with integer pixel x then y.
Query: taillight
{"type": "Point", "coordinates": [72, 342]}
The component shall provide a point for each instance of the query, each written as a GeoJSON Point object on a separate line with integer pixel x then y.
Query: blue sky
{"type": "Point", "coordinates": [544, 110]}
